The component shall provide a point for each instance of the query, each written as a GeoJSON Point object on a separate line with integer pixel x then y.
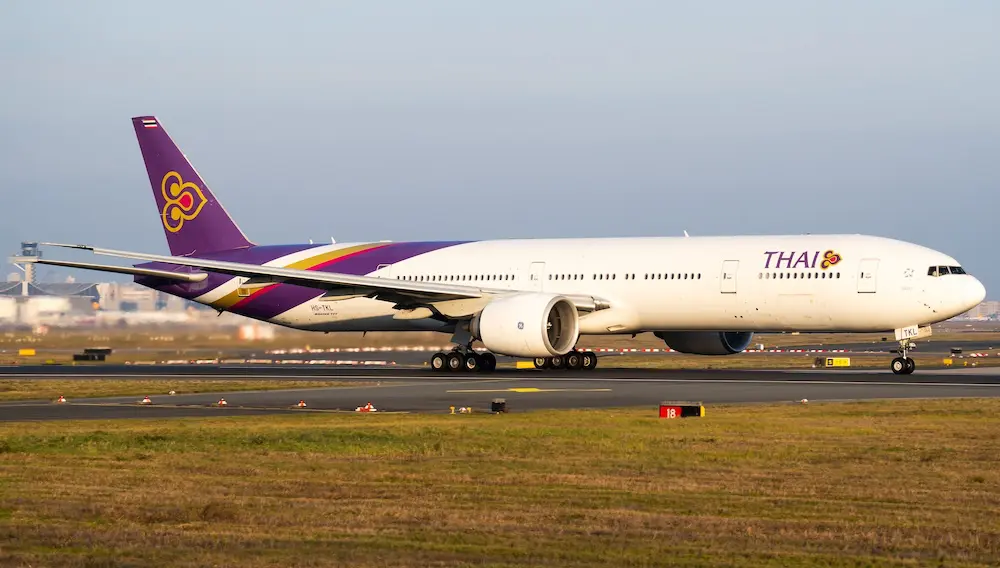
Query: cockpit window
{"type": "Point", "coordinates": [945, 270]}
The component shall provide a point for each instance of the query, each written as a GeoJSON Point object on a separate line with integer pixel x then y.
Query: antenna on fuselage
{"type": "Point", "coordinates": [686, 234]}
{"type": "Point", "coordinates": [333, 241]}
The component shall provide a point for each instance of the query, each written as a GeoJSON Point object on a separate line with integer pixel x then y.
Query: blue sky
{"type": "Point", "coordinates": [474, 120]}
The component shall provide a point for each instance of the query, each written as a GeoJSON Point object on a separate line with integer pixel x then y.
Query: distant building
{"type": "Point", "coordinates": [989, 310]}
{"type": "Point", "coordinates": [74, 289]}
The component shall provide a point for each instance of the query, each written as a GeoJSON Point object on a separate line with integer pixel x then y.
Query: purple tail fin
{"type": "Point", "coordinates": [193, 219]}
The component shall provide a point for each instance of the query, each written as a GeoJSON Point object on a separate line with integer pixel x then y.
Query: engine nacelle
{"type": "Point", "coordinates": [528, 325]}
{"type": "Point", "coordinates": [707, 342]}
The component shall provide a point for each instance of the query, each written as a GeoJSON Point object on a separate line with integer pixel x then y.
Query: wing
{"type": "Point", "coordinates": [450, 300]}
{"type": "Point", "coordinates": [165, 274]}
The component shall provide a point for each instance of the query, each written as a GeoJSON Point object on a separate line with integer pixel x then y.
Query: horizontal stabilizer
{"type": "Point", "coordinates": [165, 274]}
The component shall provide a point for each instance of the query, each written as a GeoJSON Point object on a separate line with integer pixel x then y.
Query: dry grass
{"type": "Point", "coordinates": [888, 484]}
{"type": "Point", "coordinates": [50, 389]}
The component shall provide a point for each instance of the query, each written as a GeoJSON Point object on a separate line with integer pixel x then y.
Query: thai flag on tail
{"type": "Point", "coordinates": [149, 123]}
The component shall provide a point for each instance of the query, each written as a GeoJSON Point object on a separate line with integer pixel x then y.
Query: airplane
{"type": "Point", "coordinates": [534, 298]}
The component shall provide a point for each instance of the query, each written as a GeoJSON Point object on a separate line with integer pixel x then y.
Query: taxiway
{"type": "Point", "coordinates": [402, 390]}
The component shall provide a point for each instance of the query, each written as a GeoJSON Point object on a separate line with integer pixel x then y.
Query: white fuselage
{"type": "Point", "coordinates": [753, 283]}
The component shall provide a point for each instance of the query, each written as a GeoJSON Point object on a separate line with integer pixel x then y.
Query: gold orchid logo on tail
{"type": "Point", "coordinates": [184, 200]}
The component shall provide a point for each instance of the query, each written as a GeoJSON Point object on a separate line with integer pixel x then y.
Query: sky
{"type": "Point", "coordinates": [473, 120]}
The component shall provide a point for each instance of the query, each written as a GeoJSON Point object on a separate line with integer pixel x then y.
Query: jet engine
{"type": "Point", "coordinates": [528, 325]}
{"type": "Point", "coordinates": [707, 342]}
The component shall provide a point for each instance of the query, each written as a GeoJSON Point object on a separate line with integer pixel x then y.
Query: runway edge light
{"type": "Point", "coordinates": [670, 409]}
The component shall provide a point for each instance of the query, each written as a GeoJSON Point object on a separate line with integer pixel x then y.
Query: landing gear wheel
{"type": "Point", "coordinates": [557, 362]}
{"type": "Point", "coordinates": [589, 361]}
{"type": "Point", "coordinates": [473, 363]}
{"type": "Point", "coordinates": [574, 361]}
{"type": "Point", "coordinates": [542, 362]}
{"type": "Point", "coordinates": [455, 361]}
{"type": "Point", "coordinates": [903, 365]}
{"type": "Point", "coordinates": [489, 363]}
{"type": "Point", "coordinates": [439, 362]}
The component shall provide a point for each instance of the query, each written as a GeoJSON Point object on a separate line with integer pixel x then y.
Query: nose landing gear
{"type": "Point", "coordinates": [903, 365]}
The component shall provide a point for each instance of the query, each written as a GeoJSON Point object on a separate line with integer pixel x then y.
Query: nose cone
{"type": "Point", "coordinates": [974, 292]}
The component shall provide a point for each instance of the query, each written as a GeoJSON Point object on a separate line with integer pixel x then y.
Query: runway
{"type": "Point", "coordinates": [424, 391]}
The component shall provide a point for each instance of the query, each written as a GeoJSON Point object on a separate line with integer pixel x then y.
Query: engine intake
{"type": "Point", "coordinates": [528, 325]}
{"type": "Point", "coordinates": [707, 342]}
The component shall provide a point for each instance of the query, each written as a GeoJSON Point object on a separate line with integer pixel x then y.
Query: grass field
{"type": "Point", "coordinates": [908, 483]}
{"type": "Point", "coordinates": [50, 389]}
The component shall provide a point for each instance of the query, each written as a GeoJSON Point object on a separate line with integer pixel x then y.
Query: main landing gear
{"type": "Point", "coordinates": [573, 361]}
{"type": "Point", "coordinates": [903, 365]}
{"type": "Point", "coordinates": [464, 361]}
{"type": "Point", "coordinates": [468, 361]}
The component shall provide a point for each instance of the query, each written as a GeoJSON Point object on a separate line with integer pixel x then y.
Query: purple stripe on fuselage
{"type": "Point", "coordinates": [286, 296]}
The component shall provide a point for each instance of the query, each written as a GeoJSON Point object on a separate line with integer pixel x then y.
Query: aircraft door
{"type": "Point", "coordinates": [536, 276]}
{"type": "Point", "coordinates": [727, 279]}
{"type": "Point", "coordinates": [868, 276]}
